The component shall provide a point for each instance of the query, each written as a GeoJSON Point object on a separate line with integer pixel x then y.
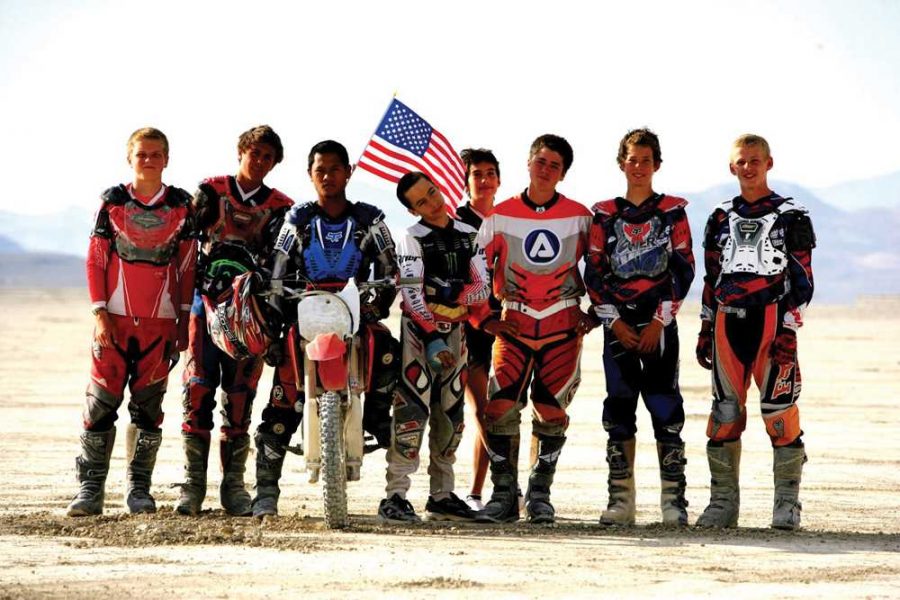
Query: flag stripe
{"type": "Point", "coordinates": [409, 162]}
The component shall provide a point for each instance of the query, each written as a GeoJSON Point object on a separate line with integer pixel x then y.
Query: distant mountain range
{"type": "Point", "coordinates": [856, 224]}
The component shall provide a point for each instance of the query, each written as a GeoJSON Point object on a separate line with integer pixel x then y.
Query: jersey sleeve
{"type": "Point", "coordinates": [799, 243]}
{"type": "Point", "coordinates": [380, 243]}
{"type": "Point", "coordinates": [480, 313]}
{"type": "Point", "coordinates": [412, 266]}
{"type": "Point", "coordinates": [98, 255]}
{"type": "Point", "coordinates": [681, 268]}
{"type": "Point", "coordinates": [205, 207]}
{"type": "Point", "coordinates": [712, 255]}
{"type": "Point", "coordinates": [478, 289]}
{"type": "Point", "coordinates": [596, 269]}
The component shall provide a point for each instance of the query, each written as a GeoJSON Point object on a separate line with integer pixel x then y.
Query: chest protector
{"type": "Point", "coordinates": [749, 247]}
{"type": "Point", "coordinates": [332, 252]}
{"type": "Point", "coordinates": [641, 248]}
{"type": "Point", "coordinates": [239, 223]}
{"type": "Point", "coordinates": [146, 234]}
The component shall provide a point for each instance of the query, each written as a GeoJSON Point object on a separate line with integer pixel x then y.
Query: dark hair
{"type": "Point", "coordinates": [473, 156]}
{"type": "Point", "coordinates": [557, 144]}
{"type": "Point", "coordinates": [406, 182]}
{"type": "Point", "coordinates": [328, 147]}
{"type": "Point", "coordinates": [261, 134]}
{"type": "Point", "coordinates": [640, 137]}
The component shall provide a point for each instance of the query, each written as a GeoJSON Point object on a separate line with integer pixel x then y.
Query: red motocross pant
{"type": "Point", "coordinates": [207, 367]}
{"type": "Point", "coordinates": [546, 354]}
{"type": "Point", "coordinates": [742, 348]}
{"type": "Point", "coordinates": [139, 359]}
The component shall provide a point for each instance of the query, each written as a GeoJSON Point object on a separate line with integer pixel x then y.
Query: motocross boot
{"type": "Point", "coordinates": [503, 507]}
{"type": "Point", "coordinates": [620, 509]}
{"type": "Point", "coordinates": [196, 458]}
{"type": "Point", "coordinates": [269, 460]}
{"type": "Point", "coordinates": [377, 417]}
{"type": "Point", "coordinates": [235, 498]}
{"type": "Point", "coordinates": [788, 467]}
{"type": "Point", "coordinates": [91, 469]}
{"type": "Point", "coordinates": [537, 498]}
{"type": "Point", "coordinates": [725, 494]}
{"type": "Point", "coordinates": [673, 483]}
{"type": "Point", "coordinates": [140, 471]}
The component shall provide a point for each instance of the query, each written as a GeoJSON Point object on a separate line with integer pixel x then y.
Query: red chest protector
{"type": "Point", "coordinates": [237, 222]}
{"type": "Point", "coordinates": [148, 234]}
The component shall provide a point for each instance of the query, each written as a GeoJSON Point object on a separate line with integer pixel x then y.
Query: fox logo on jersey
{"type": "Point", "coordinates": [637, 232]}
{"type": "Point", "coordinates": [541, 246]}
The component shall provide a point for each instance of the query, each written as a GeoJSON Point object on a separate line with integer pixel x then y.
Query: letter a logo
{"type": "Point", "coordinates": [541, 246]}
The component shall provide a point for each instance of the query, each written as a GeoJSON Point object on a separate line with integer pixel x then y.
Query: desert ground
{"type": "Point", "coordinates": [849, 545]}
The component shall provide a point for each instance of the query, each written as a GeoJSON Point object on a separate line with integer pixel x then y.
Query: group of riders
{"type": "Point", "coordinates": [494, 318]}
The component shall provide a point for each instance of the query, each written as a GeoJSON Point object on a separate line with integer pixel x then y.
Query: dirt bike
{"type": "Point", "coordinates": [333, 441]}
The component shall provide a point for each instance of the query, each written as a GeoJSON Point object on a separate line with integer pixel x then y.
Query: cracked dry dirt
{"type": "Point", "coordinates": [849, 545]}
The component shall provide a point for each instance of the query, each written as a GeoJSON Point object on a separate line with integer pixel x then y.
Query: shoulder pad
{"type": "Point", "coordinates": [115, 195]}
{"type": "Point", "coordinates": [367, 214]}
{"type": "Point", "coordinates": [800, 234]}
{"type": "Point", "coordinates": [278, 200]}
{"type": "Point", "coordinates": [790, 205]}
{"type": "Point", "coordinates": [725, 206]}
{"type": "Point", "coordinates": [669, 203]}
{"type": "Point", "coordinates": [606, 208]}
{"type": "Point", "coordinates": [219, 184]}
{"type": "Point", "coordinates": [463, 227]}
{"type": "Point", "coordinates": [300, 214]}
{"type": "Point", "coordinates": [175, 196]}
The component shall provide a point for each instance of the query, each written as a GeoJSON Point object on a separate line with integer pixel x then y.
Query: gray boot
{"type": "Point", "coordinates": [235, 498]}
{"type": "Point", "coordinates": [787, 467]}
{"type": "Point", "coordinates": [725, 494]}
{"type": "Point", "coordinates": [269, 460]}
{"type": "Point", "coordinates": [196, 460]}
{"type": "Point", "coordinates": [91, 469]}
{"type": "Point", "coordinates": [673, 483]}
{"type": "Point", "coordinates": [140, 471]}
{"type": "Point", "coordinates": [620, 510]}
{"type": "Point", "coordinates": [537, 498]}
{"type": "Point", "coordinates": [503, 507]}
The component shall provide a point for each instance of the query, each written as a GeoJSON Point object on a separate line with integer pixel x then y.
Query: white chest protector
{"type": "Point", "coordinates": [749, 247]}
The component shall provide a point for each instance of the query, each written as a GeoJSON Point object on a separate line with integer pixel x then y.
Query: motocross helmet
{"type": "Point", "coordinates": [243, 324]}
{"type": "Point", "coordinates": [222, 265]}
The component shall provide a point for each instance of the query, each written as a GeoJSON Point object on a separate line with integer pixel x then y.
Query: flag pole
{"type": "Point", "coordinates": [366, 145]}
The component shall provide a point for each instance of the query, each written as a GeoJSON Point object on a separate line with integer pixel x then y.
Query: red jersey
{"type": "Point", "coordinates": [533, 251]}
{"type": "Point", "coordinates": [224, 214]}
{"type": "Point", "coordinates": [142, 254]}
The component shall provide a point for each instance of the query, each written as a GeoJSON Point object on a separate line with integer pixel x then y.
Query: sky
{"type": "Point", "coordinates": [818, 79]}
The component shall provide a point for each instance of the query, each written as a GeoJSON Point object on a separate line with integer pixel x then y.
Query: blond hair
{"type": "Point", "coordinates": [751, 139]}
{"type": "Point", "coordinates": [148, 133]}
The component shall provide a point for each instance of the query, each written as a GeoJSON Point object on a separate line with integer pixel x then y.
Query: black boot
{"type": "Point", "coordinates": [503, 507]}
{"type": "Point", "coordinates": [377, 417]}
{"type": "Point", "coordinates": [235, 498]}
{"type": "Point", "coordinates": [269, 460]}
{"type": "Point", "coordinates": [140, 471]}
{"type": "Point", "coordinates": [91, 469]}
{"type": "Point", "coordinates": [537, 498]}
{"type": "Point", "coordinates": [196, 459]}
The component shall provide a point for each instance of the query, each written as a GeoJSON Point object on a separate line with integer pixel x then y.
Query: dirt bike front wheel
{"type": "Point", "coordinates": [333, 471]}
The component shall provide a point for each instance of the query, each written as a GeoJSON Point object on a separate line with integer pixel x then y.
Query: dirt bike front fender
{"type": "Point", "coordinates": [329, 352]}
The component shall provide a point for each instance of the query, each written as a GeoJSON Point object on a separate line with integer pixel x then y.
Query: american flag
{"type": "Point", "coordinates": [405, 142]}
